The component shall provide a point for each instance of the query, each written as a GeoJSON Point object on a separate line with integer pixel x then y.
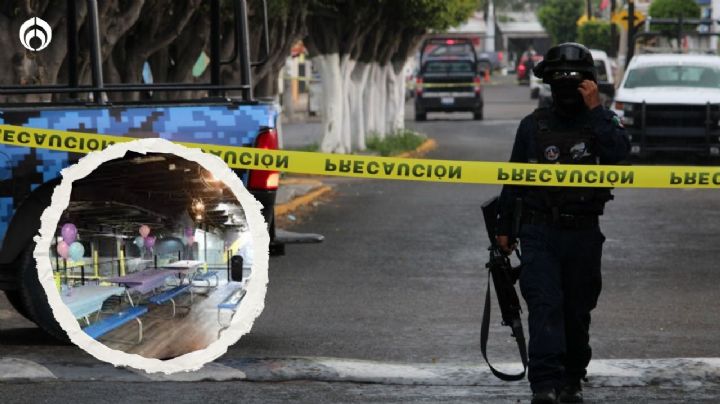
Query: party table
{"type": "Point", "coordinates": [87, 299]}
{"type": "Point", "coordinates": [144, 282]}
{"type": "Point", "coordinates": [186, 266]}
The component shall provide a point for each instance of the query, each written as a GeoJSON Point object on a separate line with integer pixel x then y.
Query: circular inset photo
{"type": "Point", "coordinates": [153, 255]}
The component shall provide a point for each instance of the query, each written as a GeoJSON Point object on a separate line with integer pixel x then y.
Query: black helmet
{"type": "Point", "coordinates": [569, 56]}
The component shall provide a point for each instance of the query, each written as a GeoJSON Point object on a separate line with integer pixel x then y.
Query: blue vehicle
{"type": "Point", "coordinates": [29, 175]}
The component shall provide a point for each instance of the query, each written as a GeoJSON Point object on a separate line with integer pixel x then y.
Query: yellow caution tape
{"type": "Point", "coordinates": [473, 172]}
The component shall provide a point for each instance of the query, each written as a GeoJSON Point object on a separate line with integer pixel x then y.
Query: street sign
{"type": "Point", "coordinates": [621, 18]}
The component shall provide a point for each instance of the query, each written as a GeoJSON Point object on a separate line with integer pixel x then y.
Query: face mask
{"type": "Point", "coordinates": [566, 95]}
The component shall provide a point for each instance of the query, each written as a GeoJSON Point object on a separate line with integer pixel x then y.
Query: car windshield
{"type": "Point", "coordinates": [448, 67]}
{"type": "Point", "coordinates": [454, 49]}
{"type": "Point", "coordinates": [674, 76]}
{"type": "Point", "coordinates": [601, 70]}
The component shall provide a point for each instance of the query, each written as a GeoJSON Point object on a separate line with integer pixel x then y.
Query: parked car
{"type": "Point", "coordinates": [605, 77]}
{"type": "Point", "coordinates": [493, 60]}
{"type": "Point", "coordinates": [31, 174]}
{"type": "Point", "coordinates": [671, 103]}
{"type": "Point", "coordinates": [448, 85]}
{"type": "Point", "coordinates": [450, 82]}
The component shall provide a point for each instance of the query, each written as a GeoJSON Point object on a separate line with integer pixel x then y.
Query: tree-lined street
{"type": "Point", "coordinates": [401, 278]}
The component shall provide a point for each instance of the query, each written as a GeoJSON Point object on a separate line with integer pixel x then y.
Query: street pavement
{"type": "Point", "coordinates": [400, 282]}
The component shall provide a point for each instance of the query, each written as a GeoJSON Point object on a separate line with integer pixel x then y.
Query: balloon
{"type": "Point", "coordinates": [189, 232]}
{"type": "Point", "coordinates": [69, 233]}
{"type": "Point", "coordinates": [149, 241]}
{"type": "Point", "coordinates": [144, 230]}
{"type": "Point", "coordinates": [63, 249]}
{"type": "Point", "coordinates": [139, 242]}
{"type": "Point", "coordinates": [76, 251]}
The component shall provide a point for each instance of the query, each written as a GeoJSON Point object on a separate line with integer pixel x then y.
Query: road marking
{"type": "Point", "coordinates": [601, 372]}
{"type": "Point", "coordinates": [212, 371]}
{"type": "Point", "coordinates": [22, 369]}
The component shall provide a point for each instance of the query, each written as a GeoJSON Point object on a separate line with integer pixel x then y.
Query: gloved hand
{"type": "Point", "coordinates": [504, 244]}
{"type": "Point", "coordinates": [590, 93]}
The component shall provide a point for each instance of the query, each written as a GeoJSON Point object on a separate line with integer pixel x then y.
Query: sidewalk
{"type": "Point", "coordinates": [671, 380]}
{"type": "Point", "coordinates": [296, 190]}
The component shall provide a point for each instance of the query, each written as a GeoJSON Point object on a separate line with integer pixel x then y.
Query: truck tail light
{"type": "Point", "coordinates": [478, 82]}
{"type": "Point", "coordinates": [418, 86]}
{"type": "Point", "coordinates": [262, 179]}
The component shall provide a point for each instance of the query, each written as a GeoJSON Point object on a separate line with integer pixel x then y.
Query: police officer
{"type": "Point", "coordinates": [559, 233]}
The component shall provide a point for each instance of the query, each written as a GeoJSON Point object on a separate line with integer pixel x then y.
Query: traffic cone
{"type": "Point", "coordinates": [486, 77]}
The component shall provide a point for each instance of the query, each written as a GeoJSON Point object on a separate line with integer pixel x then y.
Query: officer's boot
{"type": "Point", "coordinates": [544, 397]}
{"type": "Point", "coordinates": [571, 393]}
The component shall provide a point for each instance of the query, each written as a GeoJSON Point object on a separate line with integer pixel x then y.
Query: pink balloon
{"type": "Point", "coordinates": [63, 249]}
{"type": "Point", "coordinates": [144, 230]}
{"type": "Point", "coordinates": [69, 233]}
{"type": "Point", "coordinates": [149, 241]}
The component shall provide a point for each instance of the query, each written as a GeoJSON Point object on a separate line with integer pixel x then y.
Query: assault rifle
{"type": "Point", "coordinates": [503, 277]}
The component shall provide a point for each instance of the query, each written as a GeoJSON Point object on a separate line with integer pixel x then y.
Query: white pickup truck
{"type": "Point", "coordinates": [671, 103]}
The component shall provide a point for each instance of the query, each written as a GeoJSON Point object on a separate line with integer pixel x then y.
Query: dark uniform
{"type": "Point", "coordinates": [560, 238]}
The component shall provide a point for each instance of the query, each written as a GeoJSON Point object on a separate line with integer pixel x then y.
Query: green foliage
{"type": "Point", "coordinates": [673, 9]}
{"type": "Point", "coordinates": [312, 147]}
{"type": "Point", "coordinates": [595, 34]}
{"type": "Point", "coordinates": [515, 5]}
{"type": "Point", "coordinates": [437, 15]}
{"type": "Point", "coordinates": [559, 17]}
{"type": "Point", "coordinates": [395, 143]}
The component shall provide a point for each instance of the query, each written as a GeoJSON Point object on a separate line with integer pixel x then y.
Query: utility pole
{"type": "Point", "coordinates": [715, 15]}
{"type": "Point", "coordinates": [588, 4]}
{"type": "Point", "coordinates": [613, 32]}
{"type": "Point", "coordinates": [490, 28]}
{"type": "Point", "coordinates": [630, 32]}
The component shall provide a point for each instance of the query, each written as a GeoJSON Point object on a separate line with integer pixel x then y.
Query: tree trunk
{"type": "Point", "coordinates": [347, 65]}
{"type": "Point", "coordinates": [331, 103]}
{"type": "Point", "coordinates": [396, 87]}
{"type": "Point", "coordinates": [358, 91]}
{"type": "Point", "coordinates": [379, 104]}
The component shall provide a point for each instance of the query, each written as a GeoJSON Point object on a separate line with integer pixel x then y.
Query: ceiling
{"type": "Point", "coordinates": [156, 189]}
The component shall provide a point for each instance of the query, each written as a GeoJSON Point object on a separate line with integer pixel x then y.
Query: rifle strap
{"type": "Point", "coordinates": [520, 339]}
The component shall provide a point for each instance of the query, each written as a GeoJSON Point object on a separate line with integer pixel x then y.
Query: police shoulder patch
{"type": "Point", "coordinates": [617, 121]}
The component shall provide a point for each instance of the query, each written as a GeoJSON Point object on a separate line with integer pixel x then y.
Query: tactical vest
{"type": "Point", "coordinates": [568, 146]}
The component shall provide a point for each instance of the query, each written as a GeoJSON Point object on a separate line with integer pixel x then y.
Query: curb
{"type": "Point", "coordinates": [320, 189]}
{"type": "Point", "coordinates": [677, 372]}
{"type": "Point", "coordinates": [427, 146]}
{"type": "Point", "coordinates": [301, 200]}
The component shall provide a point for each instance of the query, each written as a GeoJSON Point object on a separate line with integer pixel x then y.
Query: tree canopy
{"type": "Point", "coordinates": [171, 34]}
{"type": "Point", "coordinates": [595, 34]}
{"type": "Point", "coordinates": [379, 29]}
{"type": "Point", "coordinates": [674, 9]}
{"type": "Point", "coordinates": [559, 18]}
